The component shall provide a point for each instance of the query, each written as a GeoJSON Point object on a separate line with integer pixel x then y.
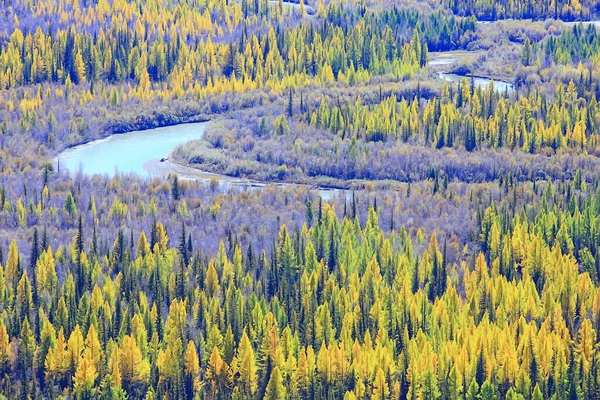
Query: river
{"type": "Point", "coordinates": [595, 23]}
{"type": "Point", "coordinates": [499, 85]}
{"type": "Point", "coordinates": [289, 5]}
{"type": "Point", "coordinates": [128, 152]}
{"type": "Point", "coordinates": [442, 62]}
{"type": "Point", "coordinates": [145, 152]}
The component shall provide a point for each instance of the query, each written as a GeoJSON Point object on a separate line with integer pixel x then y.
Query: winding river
{"type": "Point", "coordinates": [144, 153]}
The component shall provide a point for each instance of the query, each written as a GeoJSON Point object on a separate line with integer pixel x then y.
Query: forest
{"type": "Point", "coordinates": [400, 199]}
{"type": "Point", "coordinates": [488, 10]}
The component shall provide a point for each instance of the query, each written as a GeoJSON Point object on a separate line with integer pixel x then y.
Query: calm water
{"type": "Point", "coordinates": [140, 151]}
{"type": "Point", "coordinates": [130, 151]}
{"type": "Point", "coordinates": [479, 82]}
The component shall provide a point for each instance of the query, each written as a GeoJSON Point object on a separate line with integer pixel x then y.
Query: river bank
{"type": "Point", "coordinates": [147, 153]}
{"type": "Point", "coordinates": [479, 81]}
{"type": "Point", "coordinates": [165, 167]}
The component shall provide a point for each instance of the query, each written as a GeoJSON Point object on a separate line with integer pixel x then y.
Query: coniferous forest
{"type": "Point", "coordinates": [386, 199]}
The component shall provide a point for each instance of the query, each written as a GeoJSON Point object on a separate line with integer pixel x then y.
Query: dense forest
{"type": "Point", "coordinates": [404, 231]}
{"type": "Point", "coordinates": [491, 10]}
{"type": "Point", "coordinates": [149, 313]}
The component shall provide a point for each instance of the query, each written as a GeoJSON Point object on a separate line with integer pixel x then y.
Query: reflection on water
{"type": "Point", "coordinates": [128, 152]}
{"type": "Point", "coordinates": [479, 82]}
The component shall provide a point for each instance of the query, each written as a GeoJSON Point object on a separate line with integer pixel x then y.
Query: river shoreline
{"type": "Point", "coordinates": [479, 80]}
{"type": "Point", "coordinates": [160, 119]}
{"type": "Point", "coordinates": [164, 168]}
{"type": "Point", "coordinates": [113, 130]}
{"type": "Point", "coordinates": [123, 148]}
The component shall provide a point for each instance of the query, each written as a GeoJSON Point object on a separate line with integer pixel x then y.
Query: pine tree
{"type": "Point", "coordinates": [134, 368]}
{"type": "Point", "coordinates": [381, 390]}
{"type": "Point", "coordinates": [26, 354]}
{"type": "Point", "coordinates": [143, 247]}
{"type": "Point", "coordinates": [216, 372]}
{"type": "Point", "coordinates": [290, 106]}
{"type": "Point", "coordinates": [473, 391]}
{"type": "Point", "coordinates": [13, 265]}
{"type": "Point", "coordinates": [175, 191]}
{"type": "Point", "coordinates": [79, 248]}
{"type": "Point", "coordinates": [192, 370]}
{"type": "Point", "coordinates": [69, 205]}
{"type": "Point", "coordinates": [24, 301]}
{"type": "Point", "coordinates": [487, 391]}
{"type": "Point", "coordinates": [79, 69]}
{"type": "Point", "coordinates": [183, 245]}
{"type": "Point", "coordinates": [110, 387]}
{"type": "Point", "coordinates": [275, 388]}
{"type": "Point", "coordinates": [93, 347]}
{"type": "Point", "coordinates": [480, 375]}
{"type": "Point", "coordinates": [57, 359]}
{"type": "Point", "coordinates": [526, 53]}
{"type": "Point", "coordinates": [85, 377]}
{"type": "Point", "coordinates": [585, 349]}
{"type": "Point", "coordinates": [33, 268]}
{"type": "Point", "coordinates": [75, 347]}
{"type": "Point", "coordinates": [5, 350]}
{"type": "Point", "coordinates": [247, 366]}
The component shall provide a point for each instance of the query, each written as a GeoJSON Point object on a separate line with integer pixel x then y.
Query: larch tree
{"type": "Point", "coordinates": [134, 368]}
{"type": "Point", "coordinates": [275, 389]}
{"type": "Point", "coordinates": [85, 377]}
